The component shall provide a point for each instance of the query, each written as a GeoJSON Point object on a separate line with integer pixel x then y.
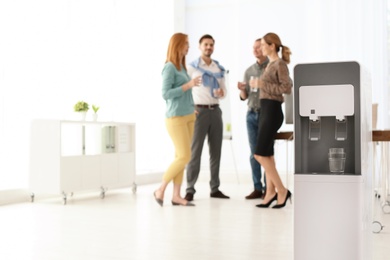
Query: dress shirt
{"type": "Point", "coordinates": [202, 94]}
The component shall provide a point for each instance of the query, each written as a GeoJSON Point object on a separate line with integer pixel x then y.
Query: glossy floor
{"type": "Point", "coordinates": [133, 226]}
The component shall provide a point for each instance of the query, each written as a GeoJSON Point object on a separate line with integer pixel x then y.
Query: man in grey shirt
{"type": "Point", "coordinates": [253, 115]}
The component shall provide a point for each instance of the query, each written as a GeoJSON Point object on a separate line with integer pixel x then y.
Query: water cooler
{"type": "Point", "coordinates": [332, 212]}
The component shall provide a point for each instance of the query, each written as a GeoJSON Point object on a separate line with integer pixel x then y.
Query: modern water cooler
{"type": "Point", "coordinates": [332, 210]}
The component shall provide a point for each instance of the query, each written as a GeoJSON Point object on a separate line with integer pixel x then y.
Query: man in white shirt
{"type": "Point", "coordinates": [209, 117]}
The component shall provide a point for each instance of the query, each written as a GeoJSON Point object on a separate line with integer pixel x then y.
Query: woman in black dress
{"type": "Point", "coordinates": [274, 82]}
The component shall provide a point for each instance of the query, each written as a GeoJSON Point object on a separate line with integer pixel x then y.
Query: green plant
{"type": "Point", "coordinates": [95, 108]}
{"type": "Point", "coordinates": [81, 106]}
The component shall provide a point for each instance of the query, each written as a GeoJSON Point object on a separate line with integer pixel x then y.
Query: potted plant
{"type": "Point", "coordinates": [82, 108]}
{"type": "Point", "coordinates": [95, 109]}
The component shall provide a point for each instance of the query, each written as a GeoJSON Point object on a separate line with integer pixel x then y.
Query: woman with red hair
{"type": "Point", "coordinates": [180, 115]}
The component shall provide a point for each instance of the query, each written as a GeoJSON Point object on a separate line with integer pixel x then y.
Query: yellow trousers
{"type": "Point", "coordinates": [181, 131]}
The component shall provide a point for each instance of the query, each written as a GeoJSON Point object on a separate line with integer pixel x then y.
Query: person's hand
{"type": "Point", "coordinates": [241, 85]}
{"type": "Point", "coordinates": [218, 92]}
{"type": "Point", "coordinates": [196, 82]}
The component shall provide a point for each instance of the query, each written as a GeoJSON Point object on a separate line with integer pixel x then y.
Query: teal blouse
{"type": "Point", "coordinates": [178, 102]}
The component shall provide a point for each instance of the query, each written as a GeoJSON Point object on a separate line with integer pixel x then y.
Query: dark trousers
{"type": "Point", "coordinates": [252, 125]}
{"type": "Point", "coordinates": [208, 123]}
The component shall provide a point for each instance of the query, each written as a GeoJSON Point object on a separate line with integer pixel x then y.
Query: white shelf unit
{"type": "Point", "coordinates": [74, 156]}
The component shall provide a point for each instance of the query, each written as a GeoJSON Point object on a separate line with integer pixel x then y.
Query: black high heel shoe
{"type": "Point", "coordinates": [266, 205]}
{"type": "Point", "coordinates": [288, 196]}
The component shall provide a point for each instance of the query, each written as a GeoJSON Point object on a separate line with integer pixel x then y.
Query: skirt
{"type": "Point", "coordinates": [270, 121]}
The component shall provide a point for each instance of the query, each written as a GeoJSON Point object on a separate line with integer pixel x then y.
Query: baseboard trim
{"type": "Point", "coordinates": [15, 196]}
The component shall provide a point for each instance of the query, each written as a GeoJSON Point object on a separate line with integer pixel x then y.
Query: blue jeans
{"type": "Point", "coordinates": [252, 125]}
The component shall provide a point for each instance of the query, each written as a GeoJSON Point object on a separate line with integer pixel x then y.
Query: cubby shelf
{"type": "Point", "coordinates": [74, 156]}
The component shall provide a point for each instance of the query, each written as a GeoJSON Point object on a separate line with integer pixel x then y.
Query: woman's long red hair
{"type": "Point", "coordinates": [175, 47]}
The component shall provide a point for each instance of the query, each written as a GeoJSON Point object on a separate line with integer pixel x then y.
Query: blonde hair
{"type": "Point", "coordinates": [176, 45]}
{"type": "Point", "coordinates": [272, 38]}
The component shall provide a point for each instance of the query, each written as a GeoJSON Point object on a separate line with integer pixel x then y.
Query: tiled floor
{"type": "Point", "coordinates": [133, 226]}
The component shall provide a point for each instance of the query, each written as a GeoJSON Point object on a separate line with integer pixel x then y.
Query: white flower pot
{"type": "Point", "coordinates": [82, 115]}
{"type": "Point", "coordinates": [94, 117]}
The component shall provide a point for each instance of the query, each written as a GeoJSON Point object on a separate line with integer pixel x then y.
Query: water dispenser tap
{"type": "Point", "coordinates": [327, 101]}
{"type": "Point", "coordinates": [341, 129]}
{"type": "Point", "coordinates": [315, 129]}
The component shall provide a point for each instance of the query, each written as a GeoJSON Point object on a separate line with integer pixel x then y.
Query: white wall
{"type": "Point", "coordinates": [105, 52]}
{"type": "Point", "coordinates": [54, 53]}
{"type": "Point", "coordinates": [315, 31]}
